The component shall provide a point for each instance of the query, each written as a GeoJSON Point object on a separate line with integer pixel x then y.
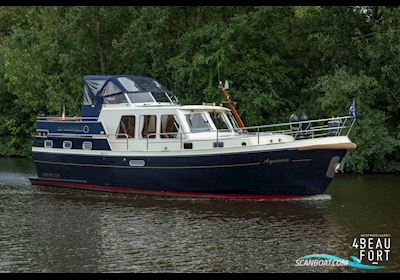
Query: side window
{"type": "Point", "coordinates": [169, 126]}
{"type": "Point", "coordinates": [149, 126]}
{"type": "Point", "coordinates": [126, 127]}
{"type": "Point", "coordinates": [219, 120]}
{"type": "Point", "coordinates": [233, 122]}
{"type": "Point", "coordinates": [197, 122]}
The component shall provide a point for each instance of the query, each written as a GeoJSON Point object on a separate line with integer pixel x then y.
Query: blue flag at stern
{"type": "Point", "coordinates": [352, 109]}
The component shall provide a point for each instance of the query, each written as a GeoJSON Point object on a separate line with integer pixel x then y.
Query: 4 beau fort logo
{"type": "Point", "coordinates": [373, 251]}
{"type": "Point", "coordinates": [374, 248]}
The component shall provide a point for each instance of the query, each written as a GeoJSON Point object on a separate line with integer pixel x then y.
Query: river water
{"type": "Point", "coordinates": [43, 229]}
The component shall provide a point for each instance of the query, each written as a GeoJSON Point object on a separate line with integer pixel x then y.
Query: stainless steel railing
{"type": "Point", "coordinates": [335, 126]}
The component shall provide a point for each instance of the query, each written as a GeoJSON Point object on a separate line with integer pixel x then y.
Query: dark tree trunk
{"type": "Point", "coordinates": [98, 42]}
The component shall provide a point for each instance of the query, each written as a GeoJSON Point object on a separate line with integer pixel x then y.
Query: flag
{"type": "Point", "coordinates": [352, 109]}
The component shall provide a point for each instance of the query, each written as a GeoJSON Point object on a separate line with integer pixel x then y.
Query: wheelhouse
{"type": "Point", "coordinates": [165, 124]}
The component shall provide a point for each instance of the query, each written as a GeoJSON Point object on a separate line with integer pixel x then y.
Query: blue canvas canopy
{"type": "Point", "coordinates": [97, 88]}
{"type": "Point", "coordinates": [101, 86]}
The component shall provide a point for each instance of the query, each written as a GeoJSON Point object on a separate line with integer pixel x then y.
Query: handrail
{"type": "Point", "coordinates": [65, 119]}
{"type": "Point", "coordinates": [299, 132]}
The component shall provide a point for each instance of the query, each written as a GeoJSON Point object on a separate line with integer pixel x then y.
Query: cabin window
{"type": "Point", "coordinates": [86, 145]}
{"type": "Point", "coordinates": [219, 120]}
{"type": "Point", "coordinates": [48, 143]}
{"type": "Point", "coordinates": [126, 127]}
{"type": "Point", "coordinates": [169, 126]}
{"type": "Point", "coordinates": [197, 122]}
{"type": "Point", "coordinates": [149, 126]}
{"type": "Point", "coordinates": [67, 144]}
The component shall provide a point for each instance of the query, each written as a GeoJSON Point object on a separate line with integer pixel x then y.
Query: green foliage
{"type": "Point", "coordinates": [279, 60]}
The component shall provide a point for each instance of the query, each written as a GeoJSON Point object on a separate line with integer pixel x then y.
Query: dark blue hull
{"type": "Point", "coordinates": [287, 173]}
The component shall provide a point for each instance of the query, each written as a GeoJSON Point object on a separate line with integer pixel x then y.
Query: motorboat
{"type": "Point", "coordinates": [134, 136]}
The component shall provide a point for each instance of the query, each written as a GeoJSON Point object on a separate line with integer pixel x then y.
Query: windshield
{"type": "Point", "coordinates": [197, 122]}
{"type": "Point", "coordinates": [140, 97]}
{"type": "Point", "coordinates": [161, 97]}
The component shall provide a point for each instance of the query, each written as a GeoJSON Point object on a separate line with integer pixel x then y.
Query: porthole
{"type": "Point", "coordinates": [87, 145]}
{"type": "Point", "coordinates": [244, 143]}
{"type": "Point", "coordinates": [270, 141]}
{"type": "Point", "coordinates": [48, 143]}
{"type": "Point", "coordinates": [67, 145]}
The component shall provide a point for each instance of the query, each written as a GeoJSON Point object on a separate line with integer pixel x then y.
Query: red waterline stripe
{"type": "Point", "coordinates": [167, 193]}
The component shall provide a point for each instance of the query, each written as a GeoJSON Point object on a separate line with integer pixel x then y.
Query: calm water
{"type": "Point", "coordinates": [58, 230]}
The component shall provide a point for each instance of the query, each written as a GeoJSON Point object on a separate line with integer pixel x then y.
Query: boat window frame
{"type": "Point", "coordinates": [126, 135]}
{"type": "Point", "coordinates": [141, 127]}
{"type": "Point", "coordinates": [233, 122]}
{"type": "Point", "coordinates": [176, 120]}
{"type": "Point", "coordinates": [225, 119]}
{"type": "Point", "coordinates": [205, 117]}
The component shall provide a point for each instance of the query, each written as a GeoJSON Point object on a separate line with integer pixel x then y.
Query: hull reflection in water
{"type": "Point", "coordinates": [164, 234]}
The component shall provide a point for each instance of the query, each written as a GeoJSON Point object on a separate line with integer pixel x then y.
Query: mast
{"type": "Point", "coordinates": [235, 113]}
